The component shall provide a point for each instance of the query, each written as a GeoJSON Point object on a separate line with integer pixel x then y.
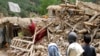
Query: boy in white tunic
{"type": "Point", "coordinates": [74, 48]}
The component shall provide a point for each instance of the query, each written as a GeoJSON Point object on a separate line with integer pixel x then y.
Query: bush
{"type": "Point", "coordinates": [41, 9]}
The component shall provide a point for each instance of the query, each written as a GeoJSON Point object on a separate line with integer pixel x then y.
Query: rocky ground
{"type": "Point", "coordinates": [3, 53]}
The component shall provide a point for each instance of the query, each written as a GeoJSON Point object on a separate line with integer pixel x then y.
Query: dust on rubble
{"type": "Point", "coordinates": [3, 53]}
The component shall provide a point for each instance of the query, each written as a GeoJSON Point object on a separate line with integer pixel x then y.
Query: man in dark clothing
{"type": "Point", "coordinates": [15, 29]}
{"type": "Point", "coordinates": [4, 36]}
{"type": "Point", "coordinates": [88, 49]}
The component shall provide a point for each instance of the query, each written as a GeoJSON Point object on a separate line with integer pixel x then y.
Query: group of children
{"type": "Point", "coordinates": [74, 48]}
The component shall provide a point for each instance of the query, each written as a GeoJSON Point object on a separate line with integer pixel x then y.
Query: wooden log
{"type": "Point", "coordinates": [28, 46]}
{"type": "Point", "coordinates": [23, 41]}
{"type": "Point", "coordinates": [90, 24]}
{"type": "Point", "coordinates": [76, 10]}
{"type": "Point", "coordinates": [93, 17]}
{"type": "Point", "coordinates": [87, 23]}
{"type": "Point", "coordinates": [79, 19]}
{"type": "Point", "coordinates": [82, 31]}
{"type": "Point", "coordinates": [91, 6]}
{"type": "Point", "coordinates": [94, 33]}
{"type": "Point", "coordinates": [34, 36]}
{"type": "Point", "coordinates": [68, 5]}
{"type": "Point", "coordinates": [75, 26]}
{"type": "Point", "coordinates": [38, 47]}
{"type": "Point", "coordinates": [51, 30]}
{"type": "Point", "coordinates": [48, 35]}
{"type": "Point", "coordinates": [22, 49]}
{"type": "Point", "coordinates": [97, 35]}
{"type": "Point", "coordinates": [20, 44]}
{"type": "Point", "coordinates": [71, 26]}
{"type": "Point", "coordinates": [19, 53]}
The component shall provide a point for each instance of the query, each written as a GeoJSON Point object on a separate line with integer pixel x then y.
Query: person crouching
{"type": "Point", "coordinates": [53, 50]}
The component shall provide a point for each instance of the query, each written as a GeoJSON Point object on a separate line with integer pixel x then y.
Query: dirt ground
{"type": "Point", "coordinates": [4, 53]}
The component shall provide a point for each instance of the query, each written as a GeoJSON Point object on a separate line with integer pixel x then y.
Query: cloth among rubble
{"type": "Point", "coordinates": [40, 35]}
{"type": "Point", "coordinates": [32, 28]}
{"type": "Point", "coordinates": [74, 49]}
{"type": "Point", "coordinates": [53, 50]}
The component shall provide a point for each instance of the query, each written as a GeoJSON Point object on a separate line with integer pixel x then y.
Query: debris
{"type": "Point", "coordinates": [67, 18]}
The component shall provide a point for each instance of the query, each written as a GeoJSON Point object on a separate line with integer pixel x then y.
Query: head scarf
{"type": "Point", "coordinates": [53, 50]}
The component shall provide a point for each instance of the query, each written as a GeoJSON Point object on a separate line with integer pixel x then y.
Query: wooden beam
{"type": "Point", "coordinates": [22, 49]}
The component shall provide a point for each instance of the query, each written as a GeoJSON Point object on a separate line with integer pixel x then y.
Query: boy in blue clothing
{"type": "Point", "coordinates": [53, 50]}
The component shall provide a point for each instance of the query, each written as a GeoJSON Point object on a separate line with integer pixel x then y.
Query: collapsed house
{"type": "Point", "coordinates": [81, 18]}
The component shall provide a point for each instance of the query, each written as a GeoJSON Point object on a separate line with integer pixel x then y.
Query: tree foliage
{"type": "Point", "coordinates": [41, 9]}
{"type": "Point", "coordinates": [29, 6]}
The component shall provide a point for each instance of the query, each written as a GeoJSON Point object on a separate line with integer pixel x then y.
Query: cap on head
{"type": "Point", "coordinates": [72, 37]}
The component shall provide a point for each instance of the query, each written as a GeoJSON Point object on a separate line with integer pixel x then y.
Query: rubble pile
{"type": "Point", "coordinates": [71, 18]}
{"type": "Point", "coordinates": [81, 18]}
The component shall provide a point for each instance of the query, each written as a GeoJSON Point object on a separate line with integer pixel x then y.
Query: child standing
{"type": "Point", "coordinates": [88, 49]}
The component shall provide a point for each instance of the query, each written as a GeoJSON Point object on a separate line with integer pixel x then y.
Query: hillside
{"type": "Point", "coordinates": [27, 7]}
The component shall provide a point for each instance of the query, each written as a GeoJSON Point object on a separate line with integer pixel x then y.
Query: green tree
{"type": "Point", "coordinates": [29, 6]}
{"type": "Point", "coordinates": [41, 9]}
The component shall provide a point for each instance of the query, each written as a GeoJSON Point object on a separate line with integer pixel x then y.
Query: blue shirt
{"type": "Point", "coordinates": [53, 51]}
